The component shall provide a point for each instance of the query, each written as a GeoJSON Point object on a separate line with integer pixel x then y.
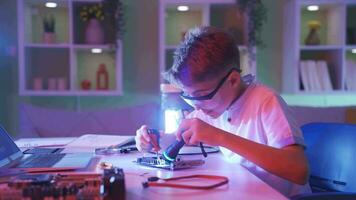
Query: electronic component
{"type": "Point", "coordinates": [45, 186]}
{"type": "Point", "coordinates": [106, 186]}
{"type": "Point", "coordinates": [33, 179]}
{"type": "Point", "coordinates": [160, 162]}
{"type": "Point", "coordinates": [169, 159]}
{"type": "Point", "coordinates": [172, 151]}
{"type": "Point", "coordinates": [113, 185]}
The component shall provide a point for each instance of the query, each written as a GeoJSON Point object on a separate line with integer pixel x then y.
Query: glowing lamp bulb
{"type": "Point", "coordinates": [313, 8]}
{"type": "Point", "coordinates": [171, 120]}
{"type": "Point", "coordinates": [183, 8]}
{"type": "Point", "coordinates": [51, 4]}
{"type": "Point", "coordinates": [96, 50]}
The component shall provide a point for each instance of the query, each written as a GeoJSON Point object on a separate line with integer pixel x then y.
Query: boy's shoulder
{"type": "Point", "coordinates": [260, 92]}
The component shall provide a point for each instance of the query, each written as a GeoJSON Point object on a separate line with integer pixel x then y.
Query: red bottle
{"type": "Point", "coordinates": [102, 78]}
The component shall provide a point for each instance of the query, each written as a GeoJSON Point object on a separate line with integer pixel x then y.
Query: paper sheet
{"type": "Point", "coordinates": [93, 140]}
{"type": "Point", "coordinates": [36, 142]}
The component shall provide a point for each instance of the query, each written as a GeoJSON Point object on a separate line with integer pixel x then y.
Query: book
{"type": "Point", "coordinates": [313, 75]}
{"type": "Point", "coordinates": [324, 75]}
{"type": "Point", "coordinates": [350, 73]}
{"type": "Point", "coordinates": [304, 76]}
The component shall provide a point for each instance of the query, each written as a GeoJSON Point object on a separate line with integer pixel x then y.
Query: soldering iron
{"type": "Point", "coordinates": [172, 151]}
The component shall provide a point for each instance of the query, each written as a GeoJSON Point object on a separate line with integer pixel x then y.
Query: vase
{"type": "Point", "coordinates": [94, 33]}
{"type": "Point", "coordinates": [313, 37]}
{"type": "Point", "coordinates": [48, 37]}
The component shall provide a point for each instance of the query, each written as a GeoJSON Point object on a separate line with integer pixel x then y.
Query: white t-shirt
{"type": "Point", "coordinates": [262, 116]}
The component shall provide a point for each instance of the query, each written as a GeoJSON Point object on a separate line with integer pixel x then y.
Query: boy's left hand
{"type": "Point", "coordinates": [194, 130]}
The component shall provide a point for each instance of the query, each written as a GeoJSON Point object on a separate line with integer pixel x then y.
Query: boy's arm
{"type": "Point", "coordinates": [288, 162]}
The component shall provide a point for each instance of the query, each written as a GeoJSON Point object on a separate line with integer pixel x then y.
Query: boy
{"type": "Point", "coordinates": [249, 122]}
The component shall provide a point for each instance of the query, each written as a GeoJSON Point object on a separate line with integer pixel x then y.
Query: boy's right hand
{"type": "Point", "coordinates": [143, 140]}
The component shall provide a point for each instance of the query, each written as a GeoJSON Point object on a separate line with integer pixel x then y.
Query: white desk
{"type": "Point", "coordinates": [242, 184]}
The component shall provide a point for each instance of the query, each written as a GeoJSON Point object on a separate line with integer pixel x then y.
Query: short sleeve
{"type": "Point", "coordinates": [278, 123]}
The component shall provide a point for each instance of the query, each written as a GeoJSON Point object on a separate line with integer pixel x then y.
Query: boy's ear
{"type": "Point", "coordinates": [235, 79]}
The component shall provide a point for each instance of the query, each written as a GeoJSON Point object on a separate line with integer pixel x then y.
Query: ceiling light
{"type": "Point", "coordinates": [96, 50]}
{"type": "Point", "coordinates": [51, 5]}
{"type": "Point", "coordinates": [313, 8]}
{"type": "Point", "coordinates": [182, 8]}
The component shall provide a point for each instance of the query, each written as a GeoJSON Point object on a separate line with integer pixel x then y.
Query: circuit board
{"type": "Point", "coordinates": [159, 162]}
{"type": "Point", "coordinates": [109, 185]}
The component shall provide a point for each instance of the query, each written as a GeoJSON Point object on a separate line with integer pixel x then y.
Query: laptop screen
{"type": "Point", "coordinates": [8, 149]}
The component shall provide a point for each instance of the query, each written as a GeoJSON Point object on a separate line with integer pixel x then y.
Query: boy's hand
{"type": "Point", "coordinates": [194, 130]}
{"type": "Point", "coordinates": [143, 140]}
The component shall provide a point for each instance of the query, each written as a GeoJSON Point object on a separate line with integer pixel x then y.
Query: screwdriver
{"type": "Point", "coordinates": [154, 139]}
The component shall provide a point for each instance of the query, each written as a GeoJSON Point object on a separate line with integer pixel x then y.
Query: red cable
{"type": "Point", "coordinates": [224, 181]}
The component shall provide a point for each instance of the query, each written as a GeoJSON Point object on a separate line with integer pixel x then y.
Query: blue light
{"type": "Point", "coordinates": [172, 119]}
{"type": "Point", "coordinates": [166, 157]}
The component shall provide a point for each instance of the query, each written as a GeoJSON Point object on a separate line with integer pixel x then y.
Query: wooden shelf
{"type": "Point", "coordinates": [71, 93]}
{"type": "Point", "coordinates": [90, 46]}
{"type": "Point", "coordinates": [333, 48]}
{"type": "Point", "coordinates": [37, 45]}
{"type": "Point", "coordinates": [173, 24]}
{"type": "Point", "coordinates": [64, 58]}
{"type": "Point", "coordinates": [321, 47]}
{"type": "Point", "coordinates": [331, 19]}
{"type": "Point", "coordinates": [350, 47]}
{"type": "Point", "coordinates": [321, 100]}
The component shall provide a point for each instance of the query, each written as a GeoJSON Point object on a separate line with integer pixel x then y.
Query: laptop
{"type": "Point", "coordinates": [12, 157]}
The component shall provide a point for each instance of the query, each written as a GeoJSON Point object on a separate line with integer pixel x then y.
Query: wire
{"type": "Point", "coordinates": [203, 150]}
{"type": "Point", "coordinates": [153, 182]}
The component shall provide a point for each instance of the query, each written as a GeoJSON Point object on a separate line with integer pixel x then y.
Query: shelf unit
{"type": "Point", "coordinates": [337, 35]}
{"type": "Point", "coordinates": [220, 13]}
{"type": "Point", "coordinates": [59, 67]}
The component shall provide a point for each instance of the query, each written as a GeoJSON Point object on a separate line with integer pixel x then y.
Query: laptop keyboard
{"type": "Point", "coordinates": [41, 160]}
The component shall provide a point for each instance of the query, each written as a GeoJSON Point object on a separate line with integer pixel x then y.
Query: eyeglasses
{"type": "Point", "coordinates": [211, 94]}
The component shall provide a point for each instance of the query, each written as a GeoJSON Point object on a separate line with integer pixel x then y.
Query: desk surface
{"type": "Point", "coordinates": [242, 184]}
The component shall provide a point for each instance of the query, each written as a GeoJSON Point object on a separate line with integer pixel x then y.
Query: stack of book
{"type": "Point", "coordinates": [315, 75]}
{"type": "Point", "coordinates": [350, 75]}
